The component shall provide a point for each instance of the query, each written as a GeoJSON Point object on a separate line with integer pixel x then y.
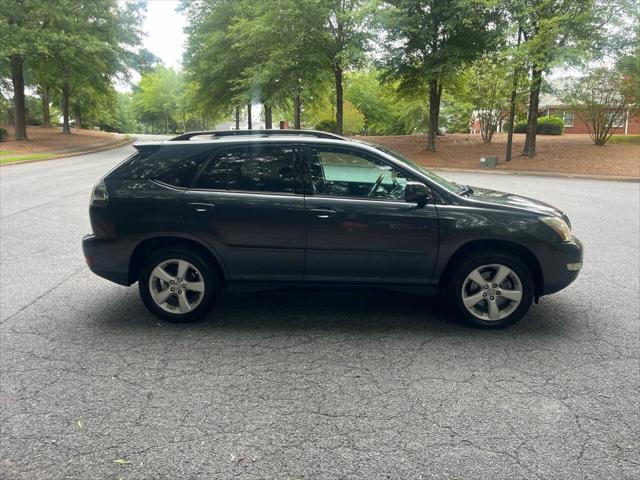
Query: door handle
{"type": "Point", "coordinates": [322, 212]}
{"type": "Point", "coordinates": [202, 207]}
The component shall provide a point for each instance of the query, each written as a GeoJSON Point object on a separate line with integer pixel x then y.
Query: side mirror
{"type": "Point", "coordinates": [416, 192]}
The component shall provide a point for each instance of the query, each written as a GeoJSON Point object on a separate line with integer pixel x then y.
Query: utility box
{"type": "Point", "coordinates": [488, 162]}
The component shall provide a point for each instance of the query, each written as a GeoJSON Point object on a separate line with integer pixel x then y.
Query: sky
{"type": "Point", "coordinates": [165, 37]}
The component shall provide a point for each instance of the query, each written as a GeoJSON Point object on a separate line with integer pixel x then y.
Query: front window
{"type": "Point", "coordinates": [341, 172]}
{"type": "Point", "coordinates": [437, 179]}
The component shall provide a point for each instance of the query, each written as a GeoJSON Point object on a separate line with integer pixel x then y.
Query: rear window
{"type": "Point", "coordinates": [256, 168]}
{"type": "Point", "coordinates": [172, 166]}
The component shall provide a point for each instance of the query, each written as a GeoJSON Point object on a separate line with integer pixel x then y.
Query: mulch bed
{"type": "Point", "coordinates": [570, 154]}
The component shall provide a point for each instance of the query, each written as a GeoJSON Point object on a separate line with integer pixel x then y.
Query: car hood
{"type": "Point", "coordinates": [504, 199]}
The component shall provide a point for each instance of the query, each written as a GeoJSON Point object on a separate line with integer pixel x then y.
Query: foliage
{"type": "Point", "coordinates": [603, 99]}
{"type": "Point", "coordinates": [489, 93]}
{"type": "Point", "coordinates": [323, 113]}
{"type": "Point", "coordinates": [3, 134]}
{"type": "Point", "coordinates": [550, 125]}
{"type": "Point", "coordinates": [545, 126]}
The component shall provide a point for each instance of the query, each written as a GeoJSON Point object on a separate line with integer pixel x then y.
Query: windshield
{"type": "Point", "coordinates": [446, 184]}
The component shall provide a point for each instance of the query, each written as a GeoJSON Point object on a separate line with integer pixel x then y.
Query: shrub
{"type": "Point", "coordinates": [326, 126]}
{"type": "Point", "coordinates": [546, 126]}
{"type": "Point", "coordinates": [3, 134]}
{"type": "Point", "coordinates": [520, 127]}
{"type": "Point", "coordinates": [550, 126]}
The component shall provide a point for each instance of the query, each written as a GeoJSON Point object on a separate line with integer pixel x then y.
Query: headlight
{"type": "Point", "coordinates": [559, 226]}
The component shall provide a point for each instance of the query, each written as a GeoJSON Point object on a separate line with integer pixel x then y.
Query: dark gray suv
{"type": "Point", "coordinates": [261, 209]}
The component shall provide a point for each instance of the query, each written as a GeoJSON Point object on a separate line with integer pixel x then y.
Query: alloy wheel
{"type": "Point", "coordinates": [492, 292]}
{"type": "Point", "coordinates": [176, 286]}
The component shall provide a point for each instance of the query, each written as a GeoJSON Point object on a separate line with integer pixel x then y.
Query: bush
{"type": "Point", "coordinates": [3, 134]}
{"type": "Point", "coordinates": [520, 127]}
{"type": "Point", "coordinates": [327, 126]}
{"type": "Point", "coordinates": [546, 126]}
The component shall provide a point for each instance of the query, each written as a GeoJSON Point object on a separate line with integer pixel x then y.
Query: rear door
{"type": "Point", "coordinates": [360, 228]}
{"type": "Point", "coordinates": [248, 204]}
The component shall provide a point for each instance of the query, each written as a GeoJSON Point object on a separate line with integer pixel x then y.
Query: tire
{"type": "Point", "coordinates": [491, 307]}
{"type": "Point", "coordinates": [181, 305]}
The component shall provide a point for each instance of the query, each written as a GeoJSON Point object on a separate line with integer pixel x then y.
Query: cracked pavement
{"type": "Point", "coordinates": [311, 385]}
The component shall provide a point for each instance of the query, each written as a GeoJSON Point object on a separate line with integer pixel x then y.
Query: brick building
{"type": "Point", "coordinates": [551, 105]}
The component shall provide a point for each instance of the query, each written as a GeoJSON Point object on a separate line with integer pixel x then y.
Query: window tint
{"type": "Point", "coordinates": [175, 167]}
{"type": "Point", "coordinates": [214, 175]}
{"type": "Point", "coordinates": [337, 172]}
{"type": "Point", "coordinates": [253, 168]}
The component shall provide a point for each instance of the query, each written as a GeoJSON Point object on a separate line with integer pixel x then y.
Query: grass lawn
{"type": "Point", "coordinates": [625, 139]}
{"type": "Point", "coordinates": [11, 157]}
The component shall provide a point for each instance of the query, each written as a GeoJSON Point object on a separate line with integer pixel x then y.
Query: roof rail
{"type": "Point", "coordinates": [263, 133]}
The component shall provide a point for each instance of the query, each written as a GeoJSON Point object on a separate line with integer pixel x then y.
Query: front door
{"type": "Point", "coordinates": [249, 205]}
{"type": "Point", "coordinates": [360, 229]}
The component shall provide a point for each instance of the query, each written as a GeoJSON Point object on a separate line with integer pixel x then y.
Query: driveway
{"type": "Point", "coordinates": [311, 385]}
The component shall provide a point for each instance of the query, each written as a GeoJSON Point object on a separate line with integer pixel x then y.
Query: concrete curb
{"type": "Point", "coordinates": [109, 146]}
{"type": "Point", "coordinates": [533, 173]}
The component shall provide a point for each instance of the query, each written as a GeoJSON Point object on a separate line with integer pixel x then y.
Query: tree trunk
{"type": "Point", "coordinates": [249, 123]}
{"type": "Point", "coordinates": [512, 105]}
{"type": "Point", "coordinates": [435, 91]}
{"type": "Point", "coordinates": [297, 112]}
{"type": "Point", "coordinates": [339, 101]}
{"type": "Point", "coordinates": [532, 119]}
{"type": "Point", "coordinates": [65, 107]}
{"type": "Point", "coordinates": [46, 115]}
{"type": "Point", "coordinates": [237, 117]}
{"type": "Point", "coordinates": [268, 117]}
{"type": "Point", "coordinates": [20, 110]}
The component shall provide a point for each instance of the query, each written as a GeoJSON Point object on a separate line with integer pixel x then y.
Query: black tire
{"type": "Point", "coordinates": [466, 265]}
{"type": "Point", "coordinates": [209, 277]}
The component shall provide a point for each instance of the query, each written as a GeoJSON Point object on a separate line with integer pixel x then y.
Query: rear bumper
{"type": "Point", "coordinates": [556, 259]}
{"type": "Point", "coordinates": [108, 258]}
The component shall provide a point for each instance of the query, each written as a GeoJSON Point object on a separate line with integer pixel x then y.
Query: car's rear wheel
{"type": "Point", "coordinates": [178, 285]}
{"type": "Point", "coordinates": [491, 290]}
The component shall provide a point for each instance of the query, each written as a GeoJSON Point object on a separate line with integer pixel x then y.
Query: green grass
{"type": "Point", "coordinates": [626, 139]}
{"type": "Point", "coordinates": [11, 157]}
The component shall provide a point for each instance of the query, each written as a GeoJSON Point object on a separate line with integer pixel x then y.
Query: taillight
{"type": "Point", "coordinates": [99, 196]}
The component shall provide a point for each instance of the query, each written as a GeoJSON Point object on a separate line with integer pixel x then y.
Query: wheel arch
{"type": "Point", "coordinates": [147, 247]}
{"type": "Point", "coordinates": [493, 246]}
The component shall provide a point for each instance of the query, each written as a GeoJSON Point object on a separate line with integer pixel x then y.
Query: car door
{"type": "Point", "coordinates": [248, 204]}
{"type": "Point", "coordinates": [360, 229]}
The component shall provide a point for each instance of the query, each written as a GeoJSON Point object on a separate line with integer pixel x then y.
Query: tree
{"type": "Point", "coordinates": [603, 99]}
{"type": "Point", "coordinates": [553, 31]}
{"type": "Point", "coordinates": [489, 93]}
{"type": "Point", "coordinates": [429, 40]}
{"type": "Point", "coordinates": [92, 46]}
{"type": "Point", "coordinates": [23, 38]}
{"type": "Point", "coordinates": [157, 99]}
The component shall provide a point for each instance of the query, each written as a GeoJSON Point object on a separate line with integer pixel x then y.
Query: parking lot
{"type": "Point", "coordinates": [311, 385]}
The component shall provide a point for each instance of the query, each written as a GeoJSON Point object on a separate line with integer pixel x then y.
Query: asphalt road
{"type": "Point", "coordinates": [318, 385]}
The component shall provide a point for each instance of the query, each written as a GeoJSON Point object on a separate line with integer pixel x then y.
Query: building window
{"type": "Point", "coordinates": [567, 117]}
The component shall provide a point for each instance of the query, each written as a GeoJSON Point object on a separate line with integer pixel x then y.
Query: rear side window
{"type": "Point", "coordinates": [268, 168]}
{"type": "Point", "coordinates": [173, 166]}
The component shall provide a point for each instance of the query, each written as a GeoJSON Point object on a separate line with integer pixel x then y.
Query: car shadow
{"type": "Point", "coordinates": [361, 311]}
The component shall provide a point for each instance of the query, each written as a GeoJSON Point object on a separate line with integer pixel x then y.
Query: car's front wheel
{"type": "Point", "coordinates": [178, 285]}
{"type": "Point", "coordinates": [491, 290]}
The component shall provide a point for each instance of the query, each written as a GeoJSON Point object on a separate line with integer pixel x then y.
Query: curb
{"type": "Point", "coordinates": [533, 173]}
{"type": "Point", "coordinates": [109, 146]}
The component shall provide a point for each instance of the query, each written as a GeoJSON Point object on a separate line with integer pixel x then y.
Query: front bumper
{"type": "Point", "coordinates": [560, 264]}
{"type": "Point", "coordinates": [108, 258]}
